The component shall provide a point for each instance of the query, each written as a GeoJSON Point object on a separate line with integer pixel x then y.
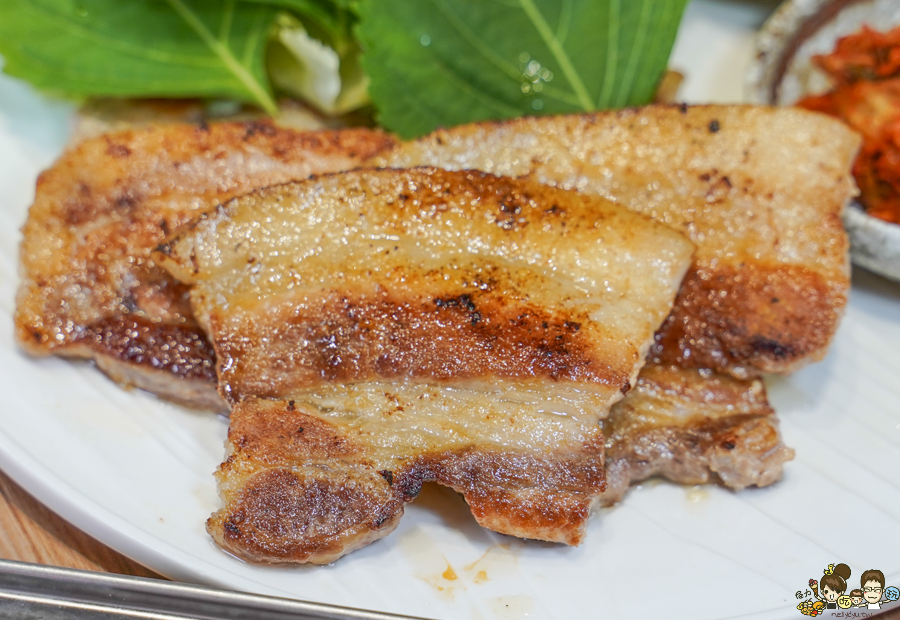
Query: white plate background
{"type": "Point", "coordinates": [136, 473]}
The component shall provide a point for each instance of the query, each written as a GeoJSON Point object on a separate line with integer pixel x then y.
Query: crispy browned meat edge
{"type": "Point", "coordinates": [744, 317]}
{"type": "Point", "coordinates": [108, 197]}
{"type": "Point", "coordinates": [692, 427]}
{"type": "Point", "coordinates": [297, 488]}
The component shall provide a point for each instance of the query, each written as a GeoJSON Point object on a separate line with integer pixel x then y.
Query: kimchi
{"type": "Point", "coordinates": [865, 69]}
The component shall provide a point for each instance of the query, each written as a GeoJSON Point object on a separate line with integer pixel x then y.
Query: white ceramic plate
{"type": "Point", "coordinates": [136, 473]}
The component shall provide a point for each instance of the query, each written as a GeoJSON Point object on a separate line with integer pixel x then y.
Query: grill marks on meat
{"type": "Point", "coordinates": [761, 198]}
{"type": "Point", "coordinates": [350, 335]}
{"type": "Point", "coordinates": [692, 427]}
{"type": "Point", "coordinates": [88, 279]}
{"type": "Point", "coordinates": [476, 331]}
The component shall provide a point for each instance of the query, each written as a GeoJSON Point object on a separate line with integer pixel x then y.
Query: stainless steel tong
{"type": "Point", "coordinates": [35, 592]}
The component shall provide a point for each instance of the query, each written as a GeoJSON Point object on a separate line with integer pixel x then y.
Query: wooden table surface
{"type": "Point", "coordinates": [29, 532]}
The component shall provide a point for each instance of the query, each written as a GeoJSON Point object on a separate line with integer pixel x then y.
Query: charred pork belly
{"type": "Point", "coordinates": [759, 191]}
{"type": "Point", "coordinates": [89, 287]}
{"type": "Point", "coordinates": [377, 329]}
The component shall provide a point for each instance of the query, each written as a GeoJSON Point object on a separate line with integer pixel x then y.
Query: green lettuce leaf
{"type": "Point", "coordinates": [142, 48]}
{"type": "Point", "coordinates": [435, 63]}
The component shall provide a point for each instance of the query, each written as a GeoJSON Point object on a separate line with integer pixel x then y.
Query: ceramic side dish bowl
{"type": "Point", "coordinates": [782, 72]}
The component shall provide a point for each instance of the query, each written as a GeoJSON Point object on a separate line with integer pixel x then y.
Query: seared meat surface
{"type": "Point", "coordinates": [365, 354]}
{"type": "Point", "coordinates": [764, 294]}
{"type": "Point", "coordinates": [759, 191]}
{"type": "Point", "coordinates": [435, 325]}
{"type": "Point", "coordinates": [692, 427]}
{"type": "Point", "coordinates": [89, 287]}
{"type": "Point", "coordinates": [314, 477]}
{"type": "Point", "coordinates": [426, 274]}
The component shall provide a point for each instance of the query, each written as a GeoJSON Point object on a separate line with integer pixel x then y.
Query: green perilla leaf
{"type": "Point", "coordinates": [141, 48]}
{"type": "Point", "coordinates": [435, 63]}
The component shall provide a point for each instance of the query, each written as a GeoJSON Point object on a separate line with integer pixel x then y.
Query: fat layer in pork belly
{"type": "Point", "coordinates": [525, 460]}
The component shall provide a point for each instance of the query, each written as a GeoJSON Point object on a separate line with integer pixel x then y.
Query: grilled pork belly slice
{"type": "Point", "coordinates": [426, 274]}
{"type": "Point", "coordinates": [312, 479]}
{"type": "Point", "coordinates": [692, 427]}
{"type": "Point", "coordinates": [89, 287]}
{"type": "Point", "coordinates": [434, 325]}
{"type": "Point", "coordinates": [758, 190]}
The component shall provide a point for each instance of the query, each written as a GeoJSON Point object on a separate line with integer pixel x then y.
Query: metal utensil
{"type": "Point", "coordinates": [35, 592]}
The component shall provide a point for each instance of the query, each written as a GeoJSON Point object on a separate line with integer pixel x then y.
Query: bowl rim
{"type": "Point", "coordinates": [792, 23]}
{"type": "Point", "coordinates": [874, 243]}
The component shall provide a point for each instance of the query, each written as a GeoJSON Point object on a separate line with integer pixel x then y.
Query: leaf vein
{"type": "Point", "coordinates": [256, 90]}
{"type": "Point", "coordinates": [484, 50]}
{"type": "Point", "coordinates": [565, 21]}
{"type": "Point", "coordinates": [253, 41]}
{"type": "Point", "coordinates": [478, 95]}
{"type": "Point", "coordinates": [640, 38]}
{"type": "Point", "coordinates": [612, 54]}
{"type": "Point", "coordinates": [558, 52]}
{"type": "Point", "coordinates": [227, 18]}
{"type": "Point", "coordinates": [497, 60]}
{"type": "Point", "coordinates": [89, 35]}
